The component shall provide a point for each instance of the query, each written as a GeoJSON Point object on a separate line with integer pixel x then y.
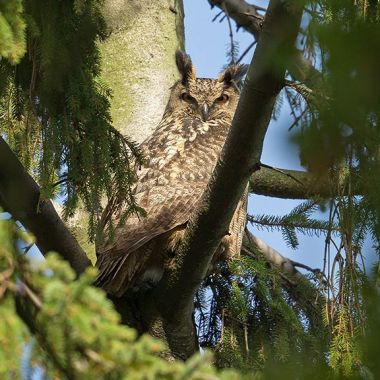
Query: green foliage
{"type": "Point", "coordinates": [344, 353]}
{"type": "Point", "coordinates": [12, 30]}
{"type": "Point", "coordinates": [54, 112]}
{"type": "Point", "coordinates": [271, 329]}
{"type": "Point", "coordinates": [298, 220]}
{"type": "Point", "coordinates": [266, 320]}
{"type": "Point", "coordinates": [77, 332]}
{"type": "Point", "coordinates": [339, 138]}
{"type": "Point", "coordinates": [54, 109]}
{"type": "Point", "coordinates": [12, 337]}
{"type": "Point", "coordinates": [342, 135]}
{"type": "Point", "coordinates": [274, 322]}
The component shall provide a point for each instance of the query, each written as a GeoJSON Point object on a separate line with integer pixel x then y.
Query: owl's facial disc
{"type": "Point", "coordinates": [205, 99]}
{"type": "Point", "coordinates": [202, 108]}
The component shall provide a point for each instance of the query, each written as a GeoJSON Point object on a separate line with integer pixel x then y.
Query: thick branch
{"type": "Point", "coordinates": [296, 184]}
{"type": "Point", "coordinates": [274, 258]}
{"type": "Point", "coordinates": [246, 16]}
{"type": "Point", "coordinates": [20, 195]}
{"type": "Point", "coordinates": [229, 180]}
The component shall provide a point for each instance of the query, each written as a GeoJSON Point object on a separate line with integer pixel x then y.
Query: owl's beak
{"type": "Point", "coordinates": [204, 111]}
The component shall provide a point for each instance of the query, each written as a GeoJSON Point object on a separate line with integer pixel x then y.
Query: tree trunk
{"type": "Point", "coordinates": [139, 67]}
{"type": "Point", "coordinates": [138, 60]}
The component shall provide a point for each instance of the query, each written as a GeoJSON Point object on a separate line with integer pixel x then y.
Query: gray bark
{"type": "Point", "coordinates": [20, 196]}
{"type": "Point", "coordinates": [297, 184]}
{"type": "Point", "coordinates": [138, 65]}
{"type": "Point", "coordinates": [138, 61]}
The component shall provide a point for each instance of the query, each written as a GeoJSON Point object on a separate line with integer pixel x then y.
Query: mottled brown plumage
{"type": "Point", "coordinates": [179, 158]}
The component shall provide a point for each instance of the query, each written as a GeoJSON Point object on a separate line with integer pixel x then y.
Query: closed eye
{"type": "Point", "coordinates": [186, 97]}
{"type": "Point", "coordinates": [222, 99]}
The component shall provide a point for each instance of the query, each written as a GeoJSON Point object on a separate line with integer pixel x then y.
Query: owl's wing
{"type": "Point", "coordinates": [122, 262]}
{"type": "Point", "coordinates": [162, 190]}
{"type": "Point", "coordinates": [167, 191]}
{"type": "Point", "coordinates": [166, 208]}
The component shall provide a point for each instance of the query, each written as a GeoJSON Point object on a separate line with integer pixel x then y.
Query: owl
{"type": "Point", "coordinates": [180, 156]}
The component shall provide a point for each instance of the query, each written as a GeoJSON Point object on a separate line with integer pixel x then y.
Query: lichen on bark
{"type": "Point", "coordinates": [138, 61]}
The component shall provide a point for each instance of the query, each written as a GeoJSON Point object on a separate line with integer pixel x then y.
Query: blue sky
{"type": "Point", "coordinates": [207, 43]}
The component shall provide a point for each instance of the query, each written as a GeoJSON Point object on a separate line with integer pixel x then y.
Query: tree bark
{"type": "Point", "coordinates": [297, 184]}
{"type": "Point", "coordinates": [173, 297]}
{"type": "Point", "coordinates": [20, 196]}
{"type": "Point", "coordinates": [138, 61]}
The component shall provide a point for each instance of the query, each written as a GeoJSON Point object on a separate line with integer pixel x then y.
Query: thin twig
{"type": "Point", "coordinates": [217, 16]}
{"type": "Point", "coordinates": [246, 51]}
{"type": "Point", "coordinates": [61, 181]}
{"type": "Point", "coordinates": [297, 119]}
{"type": "Point", "coordinates": [24, 289]}
{"type": "Point", "coordinates": [27, 248]}
{"type": "Point", "coordinates": [304, 266]}
{"type": "Point", "coordinates": [231, 35]}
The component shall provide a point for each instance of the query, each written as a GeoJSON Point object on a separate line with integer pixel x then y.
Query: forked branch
{"type": "Point", "coordinates": [247, 16]}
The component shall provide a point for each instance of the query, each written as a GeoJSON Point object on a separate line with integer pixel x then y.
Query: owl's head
{"type": "Point", "coordinates": [204, 98]}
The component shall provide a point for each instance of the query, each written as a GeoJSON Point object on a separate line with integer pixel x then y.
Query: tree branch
{"type": "Point", "coordinates": [274, 258]}
{"type": "Point", "coordinates": [296, 184]}
{"type": "Point", "coordinates": [20, 195]}
{"type": "Point", "coordinates": [176, 291]}
{"type": "Point", "coordinates": [247, 16]}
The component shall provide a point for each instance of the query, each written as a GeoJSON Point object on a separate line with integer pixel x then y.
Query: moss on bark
{"type": "Point", "coordinates": [138, 60]}
{"type": "Point", "coordinates": [138, 65]}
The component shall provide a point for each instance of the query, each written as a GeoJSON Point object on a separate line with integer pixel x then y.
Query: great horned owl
{"type": "Point", "coordinates": [180, 156]}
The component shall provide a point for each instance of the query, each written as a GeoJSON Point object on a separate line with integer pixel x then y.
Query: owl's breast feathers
{"type": "Point", "coordinates": [179, 158]}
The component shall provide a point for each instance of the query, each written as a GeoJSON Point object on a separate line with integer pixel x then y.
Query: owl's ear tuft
{"type": "Point", "coordinates": [233, 75]}
{"type": "Point", "coordinates": [185, 67]}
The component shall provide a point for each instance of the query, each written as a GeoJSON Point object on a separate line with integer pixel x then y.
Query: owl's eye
{"type": "Point", "coordinates": [187, 97]}
{"type": "Point", "coordinates": [222, 99]}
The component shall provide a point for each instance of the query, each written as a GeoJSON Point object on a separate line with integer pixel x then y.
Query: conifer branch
{"type": "Point", "coordinates": [176, 291]}
{"type": "Point", "coordinates": [275, 258]}
{"type": "Point", "coordinates": [301, 223]}
{"type": "Point", "coordinates": [248, 17]}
